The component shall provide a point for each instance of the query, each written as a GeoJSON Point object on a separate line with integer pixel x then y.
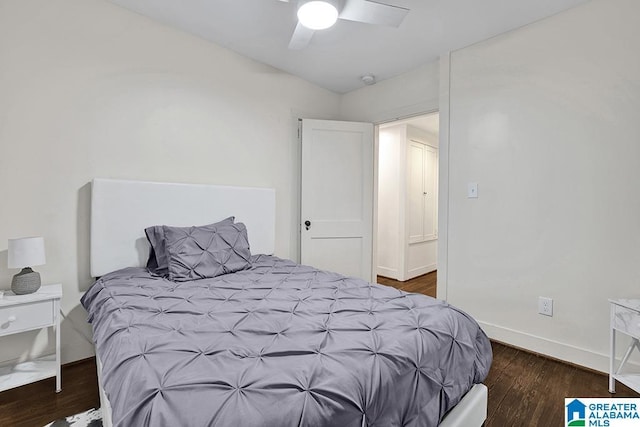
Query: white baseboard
{"type": "Point", "coordinates": [391, 273]}
{"type": "Point", "coordinates": [415, 272]}
{"type": "Point", "coordinates": [555, 349]}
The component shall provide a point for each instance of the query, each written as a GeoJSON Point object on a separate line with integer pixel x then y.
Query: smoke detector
{"type": "Point", "coordinates": [368, 79]}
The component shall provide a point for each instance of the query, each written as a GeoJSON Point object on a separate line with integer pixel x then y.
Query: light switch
{"type": "Point", "coordinates": [472, 190]}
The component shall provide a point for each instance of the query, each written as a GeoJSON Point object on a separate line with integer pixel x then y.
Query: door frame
{"type": "Point", "coordinates": [440, 104]}
{"type": "Point", "coordinates": [376, 163]}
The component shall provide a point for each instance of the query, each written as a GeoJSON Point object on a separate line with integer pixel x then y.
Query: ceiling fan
{"type": "Point", "coordinates": [316, 15]}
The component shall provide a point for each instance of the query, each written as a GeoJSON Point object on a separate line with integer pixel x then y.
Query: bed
{"type": "Point", "coordinates": [271, 344]}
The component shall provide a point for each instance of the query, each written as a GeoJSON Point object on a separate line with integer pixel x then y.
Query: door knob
{"type": "Point", "coordinates": [307, 224]}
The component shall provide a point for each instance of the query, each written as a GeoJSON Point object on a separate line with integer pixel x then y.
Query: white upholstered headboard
{"type": "Point", "coordinates": [121, 210]}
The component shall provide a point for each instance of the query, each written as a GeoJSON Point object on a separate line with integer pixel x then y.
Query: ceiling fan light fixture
{"type": "Point", "coordinates": [317, 15]}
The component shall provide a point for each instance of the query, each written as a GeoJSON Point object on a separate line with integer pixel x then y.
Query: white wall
{"type": "Point", "coordinates": [88, 89]}
{"type": "Point", "coordinates": [411, 93]}
{"type": "Point", "coordinates": [391, 184]}
{"type": "Point", "coordinates": [545, 119]}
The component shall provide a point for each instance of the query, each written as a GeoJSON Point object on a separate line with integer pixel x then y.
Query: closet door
{"type": "Point", "coordinates": [422, 192]}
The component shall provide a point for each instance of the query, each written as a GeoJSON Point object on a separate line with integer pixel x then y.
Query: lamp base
{"type": "Point", "coordinates": [25, 282]}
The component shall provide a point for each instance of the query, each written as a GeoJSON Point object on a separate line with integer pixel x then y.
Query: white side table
{"type": "Point", "coordinates": [20, 313]}
{"type": "Point", "coordinates": [625, 318]}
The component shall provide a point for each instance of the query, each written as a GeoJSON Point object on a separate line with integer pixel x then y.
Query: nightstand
{"type": "Point", "coordinates": [625, 318]}
{"type": "Point", "coordinates": [21, 313]}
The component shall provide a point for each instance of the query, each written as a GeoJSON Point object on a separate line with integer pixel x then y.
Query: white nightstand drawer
{"type": "Point", "coordinates": [25, 317]}
{"type": "Point", "coordinates": [627, 321]}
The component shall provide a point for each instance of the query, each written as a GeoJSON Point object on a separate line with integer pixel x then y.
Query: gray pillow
{"type": "Point", "coordinates": [205, 252]}
{"type": "Point", "coordinates": [158, 261]}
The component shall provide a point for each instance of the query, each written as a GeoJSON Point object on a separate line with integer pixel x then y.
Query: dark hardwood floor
{"type": "Point", "coordinates": [425, 284]}
{"type": "Point", "coordinates": [37, 404]}
{"type": "Point", "coordinates": [525, 389]}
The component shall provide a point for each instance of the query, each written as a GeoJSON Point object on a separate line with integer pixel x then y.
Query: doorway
{"type": "Point", "coordinates": [407, 200]}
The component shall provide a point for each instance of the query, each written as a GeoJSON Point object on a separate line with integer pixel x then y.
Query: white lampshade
{"type": "Point", "coordinates": [317, 15]}
{"type": "Point", "coordinates": [26, 252]}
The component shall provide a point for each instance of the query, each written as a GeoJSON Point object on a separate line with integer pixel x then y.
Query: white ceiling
{"type": "Point", "coordinates": [336, 58]}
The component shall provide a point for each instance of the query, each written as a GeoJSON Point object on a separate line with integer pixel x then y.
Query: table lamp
{"type": "Point", "coordinates": [25, 253]}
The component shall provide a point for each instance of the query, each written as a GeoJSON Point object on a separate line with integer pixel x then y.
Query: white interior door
{"type": "Point", "coordinates": [337, 196]}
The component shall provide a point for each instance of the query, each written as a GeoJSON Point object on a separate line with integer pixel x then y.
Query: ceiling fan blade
{"type": "Point", "coordinates": [373, 12]}
{"type": "Point", "coordinates": [301, 37]}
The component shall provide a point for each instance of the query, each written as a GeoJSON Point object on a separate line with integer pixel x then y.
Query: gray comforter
{"type": "Point", "coordinates": [279, 344]}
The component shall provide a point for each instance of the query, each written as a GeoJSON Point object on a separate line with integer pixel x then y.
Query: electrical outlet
{"type": "Point", "coordinates": [545, 306]}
